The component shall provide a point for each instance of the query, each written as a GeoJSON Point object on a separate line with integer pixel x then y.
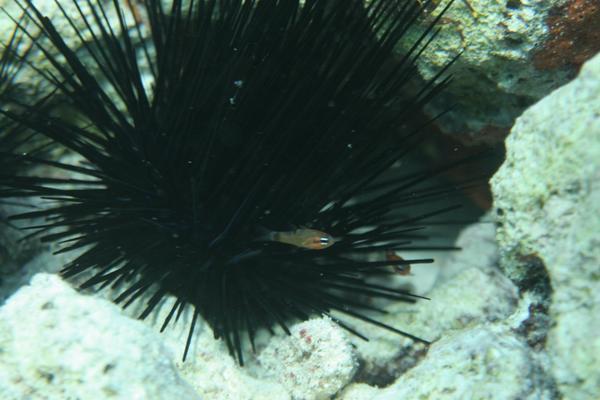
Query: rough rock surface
{"type": "Point", "coordinates": [547, 196]}
{"type": "Point", "coordinates": [470, 298]}
{"type": "Point", "coordinates": [574, 35]}
{"type": "Point", "coordinates": [546, 346]}
{"type": "Point", "coordinates": [469, 291]}
{"type": "Point", "coordinates": [487, 362]}
{"type": "Point", "coordinates": [314, 362]}
{"type": "Point", "coordinates": [209, 368]}
{"type": "Point", "coordinates": [500, 72]}
{"type": "Point", "coordinates": [58, 344]}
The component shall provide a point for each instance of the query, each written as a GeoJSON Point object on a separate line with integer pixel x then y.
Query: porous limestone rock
{"type": "Point", "coordinates": [209, 368]}
{"type": "Point", "coordinates": [57, 344]}
{"type": "Point", "coordinates": [314, 362]}
{"type": "Point", "coordinates": [486, 362]}
{"type": "Point", "coordinates": [547, 197]}
{"type": "Point", "coordinates": [470, 298]}
{"type": "Point", "coordinates": [359, 391]}
{"type": "Point", "coordinates": [496, 77]}
{"type": "Point", "coordinates": [470, 291]}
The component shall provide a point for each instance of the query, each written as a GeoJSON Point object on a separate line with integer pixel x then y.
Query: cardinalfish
{"type": "Point", "coordinates": [304, 237]}
{"type": "Point", "coordinates": [404, 269]}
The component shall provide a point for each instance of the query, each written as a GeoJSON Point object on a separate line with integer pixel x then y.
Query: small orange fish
{"type": "Point", "coordinates": [391, 255]}
{"type": "Point", "coordinates": [306, 238]}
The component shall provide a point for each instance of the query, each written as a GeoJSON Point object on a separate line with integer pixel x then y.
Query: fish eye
{"type": "Point", "coordinates": [324, 240]}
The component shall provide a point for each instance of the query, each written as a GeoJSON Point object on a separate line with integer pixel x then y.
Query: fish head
{"type": "Point", "coordinates": [318, 241]}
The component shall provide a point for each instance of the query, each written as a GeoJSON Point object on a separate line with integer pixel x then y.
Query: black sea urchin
{"type": "Point", "coordinates": [212, 128]}
{"type": "Point", "coordinates": [12, 135]}
{"type": "Point", "coordinates": [9, 67]}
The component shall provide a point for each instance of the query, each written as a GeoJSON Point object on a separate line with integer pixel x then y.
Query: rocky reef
{"type": "Point", "coordinates": [514, 315]}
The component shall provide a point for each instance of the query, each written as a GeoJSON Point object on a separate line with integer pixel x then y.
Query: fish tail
{"type": "Point", "coordinates": [266, 235]}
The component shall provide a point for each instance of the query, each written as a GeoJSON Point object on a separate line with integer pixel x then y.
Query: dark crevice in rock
{"type": "Point", "coordinates": [535, 327]}
{"type": "Point", "coordinates": [384, 375]}
{"type": "Point", "coordinates": [533, 278]}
